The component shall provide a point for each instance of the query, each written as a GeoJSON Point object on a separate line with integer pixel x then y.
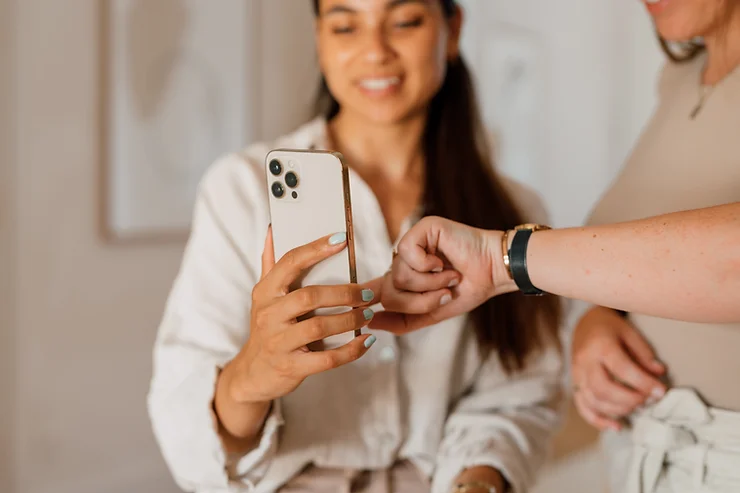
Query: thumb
{"type": "Point", "coordinates": [641, 351]}
{"type": "Point", "coordinates": [268, 254]}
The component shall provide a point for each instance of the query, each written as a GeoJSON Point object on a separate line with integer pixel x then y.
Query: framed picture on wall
{"type": "Point", "coordinates": [175, 97]}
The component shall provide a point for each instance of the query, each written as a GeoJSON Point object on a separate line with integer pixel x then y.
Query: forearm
{"type": "Point", "coordinates": [240, 423]}
{"type": "Point", "coordinates": [684, 265]}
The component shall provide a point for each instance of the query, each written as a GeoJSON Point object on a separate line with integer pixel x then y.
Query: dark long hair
{"type": "Point", "coordinates": [461, 186]}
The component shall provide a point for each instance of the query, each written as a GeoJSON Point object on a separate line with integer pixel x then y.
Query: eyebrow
{"type": "Point", "coordinates": [343, 9]}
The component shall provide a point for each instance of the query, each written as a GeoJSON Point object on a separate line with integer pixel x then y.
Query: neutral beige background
{"type": "Point", "coordinates": [86, 312]}
{"type": "Point", "coordinates": [7, 240]}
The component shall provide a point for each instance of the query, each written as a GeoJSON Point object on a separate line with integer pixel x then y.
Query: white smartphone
{"type": "Point", "coordinates": [310, 198]}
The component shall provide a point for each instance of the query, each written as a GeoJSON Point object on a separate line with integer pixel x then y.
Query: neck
{"type": "Point", "coordinates": [723, 49]}
{"type": "Point", "coordinates": [392, 151]}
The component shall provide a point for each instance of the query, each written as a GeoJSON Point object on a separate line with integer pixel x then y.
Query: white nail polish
{"type": "Point", "coordinates": [438, 270]}
{"type": "Point", "coordinates": [453, 283]}
{"type": "Point", "coordinates": [445, 300]}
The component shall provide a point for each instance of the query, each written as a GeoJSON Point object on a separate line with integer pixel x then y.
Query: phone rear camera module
{"type": "Point", "coordinates": [278, 190]}
{"type": "Point", "coordinates": [275, 167]}
{"type": "Point", "coordinates": [291, 179]}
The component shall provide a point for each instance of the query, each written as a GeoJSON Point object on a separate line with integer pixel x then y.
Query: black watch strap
{"type": "Point", "coordinates": [518, 263]}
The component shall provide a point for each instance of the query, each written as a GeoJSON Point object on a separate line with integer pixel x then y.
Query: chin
{"type": "Point", "coordinates": [677, 32]}
{"type": "Point", "coordinates": [680, 25]}
{"type": "Point", "coordinates": [387, 114]}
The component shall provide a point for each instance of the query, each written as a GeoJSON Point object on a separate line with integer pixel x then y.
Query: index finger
{"type": "Point", "coordinates": [293, 263]}
{"type": "Point", "coordinates": [625, 370]}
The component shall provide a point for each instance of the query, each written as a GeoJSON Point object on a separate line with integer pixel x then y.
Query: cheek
{"type": "Point", "coordinates": [427, 59]}
{"type": "Point", "coordinates": [334, 58]}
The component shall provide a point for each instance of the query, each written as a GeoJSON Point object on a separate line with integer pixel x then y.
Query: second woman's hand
{"type": "Point", "coordinates": [443, 269]}
{"type": "Point", "coordinates": [275, 359]}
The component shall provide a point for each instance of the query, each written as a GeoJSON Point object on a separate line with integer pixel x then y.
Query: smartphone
{"type": "Point", "coordinates": [309, 194]}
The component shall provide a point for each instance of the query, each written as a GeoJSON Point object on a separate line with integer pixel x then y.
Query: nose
{"type": "Point", "coordinates": [377, 48]}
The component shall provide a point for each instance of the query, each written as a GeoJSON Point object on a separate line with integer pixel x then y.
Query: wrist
{"type": "Point", "coordinates": [501, 278]}
{"type": "Point", "coordinates": [240, 417]}
{"type": "Point", "coordinates": [237, 381]}
{"type": "Point", "coordinates": [480, 479]}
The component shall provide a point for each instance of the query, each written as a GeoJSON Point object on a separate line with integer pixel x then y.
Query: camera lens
{"type": "Point", "coordinates": [291, 179]}
{"type": "Point", "coordinates": [275, 167]}
{"type": "Point", "coordinates": [278, 190]}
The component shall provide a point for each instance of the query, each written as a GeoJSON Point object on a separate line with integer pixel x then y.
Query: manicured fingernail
{"type": "Point", "coordinates": [445, 299]}
{"type": "Point", "coordinates": [370, 341]}
{"type": "Point", "coordinates": [368, 295]}
{"type": "Point", "coordinates": [368, 313]}
{"type": "Point", "coordinates": [453, 283]}
{"type": "Point", "coordinates": [438, 270]}
{"type": "Point", "coordinates": [657, 393]}
{"type": "Point", "coordinates": [338, 239]}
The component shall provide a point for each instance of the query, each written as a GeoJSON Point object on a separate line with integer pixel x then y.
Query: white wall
{"type": "Point", "coordinates": [7, 243]}
{"type": "Point", "coordinates": [86, 312]}
{"type": "Point", "coordinates": [594, 62]}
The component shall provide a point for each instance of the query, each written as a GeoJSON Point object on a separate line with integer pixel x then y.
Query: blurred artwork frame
{"type": "Point", "coordinates": [174, 97]}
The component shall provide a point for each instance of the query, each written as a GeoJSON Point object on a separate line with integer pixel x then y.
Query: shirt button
{"type": "Point", "coordinates": [387, 355]}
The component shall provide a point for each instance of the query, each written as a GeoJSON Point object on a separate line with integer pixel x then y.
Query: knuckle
{"type": "Point", "coordinates": [355, 352]}
{"type": "Point", "coordinates": [309, 296]}
{"type": "Point", "coordinates": [403, 248]}
{"type": "Point", "coordinates": [290, 259]}
{"type": "Point", "coordinates": [316, 328]}
{"type": "Point", "coordinates": [400, 277]}
{"type": "Point", "coordinates": [348, 295]}
{"type": "Point", "coordinates": [256, 294]}
{"type": "Point", "coordinates": [261, 319]}
{"type": "Point", "coordinates": [352, 320]}
{"type": "Point", "coordinates": [330, 361]}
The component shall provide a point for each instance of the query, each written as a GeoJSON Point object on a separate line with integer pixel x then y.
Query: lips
{"type": "Point", "coordinates": [655, 7]}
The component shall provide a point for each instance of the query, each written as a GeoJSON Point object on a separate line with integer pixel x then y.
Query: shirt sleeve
{"type": "Point", "coordinates": [506, 422]}
{"type": "Point", "coordinates": [205, 324]}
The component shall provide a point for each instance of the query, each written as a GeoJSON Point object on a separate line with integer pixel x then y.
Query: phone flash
{"type": "Point", "coordinates": [291, 164]}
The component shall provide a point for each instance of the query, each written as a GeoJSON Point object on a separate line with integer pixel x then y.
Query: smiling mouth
{"type": "Point", "coordinates": [380, 84]}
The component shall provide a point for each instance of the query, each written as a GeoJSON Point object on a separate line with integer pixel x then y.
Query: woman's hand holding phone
{"type": "Point", "coordinates": [276, 359]}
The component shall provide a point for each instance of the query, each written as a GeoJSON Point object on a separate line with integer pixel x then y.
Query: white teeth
{"type": "Point", "coordinates": [379, 84]}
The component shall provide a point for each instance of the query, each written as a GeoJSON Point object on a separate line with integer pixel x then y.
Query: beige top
{"type": "Point", "coordinates": [426, 396]}
{"type": "Point", "coordinates": [683, 163]}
